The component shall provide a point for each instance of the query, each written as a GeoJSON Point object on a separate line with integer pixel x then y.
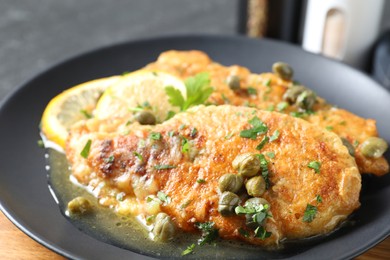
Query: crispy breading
{"type": "Point", "coordinates": [269, 93]}
{"type": "Point", "coordinates": [130, 164]}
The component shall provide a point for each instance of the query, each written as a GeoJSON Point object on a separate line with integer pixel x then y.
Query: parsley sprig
{"type": "Point", "coordinates": [198, 91]}
{"type": "Point", "coordinates": [258, 128]}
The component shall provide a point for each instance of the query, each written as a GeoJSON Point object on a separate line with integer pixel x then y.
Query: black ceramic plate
{"type": "Point", "coordinates": [24, 194]}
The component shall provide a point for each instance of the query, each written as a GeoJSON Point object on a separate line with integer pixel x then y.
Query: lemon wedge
{"type": "Point", "coordinates": [71, 106]}
{"type": "Point", "coordinates": [139, 90]}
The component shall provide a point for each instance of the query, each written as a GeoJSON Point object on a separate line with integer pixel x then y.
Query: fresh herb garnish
{"type": "Point", "coordinates": [155, 136]}
{"type": "Point", "coordinates": [258, 128]}
{"type": "Point", "coordinates": [109, 159]}
{"type": "Point", "coordinates": [274, 136]}
{"type": "Point", "coordinates": [170, 115]}
{"type": "Point", "coordinates": [243, 232]}
{"type": "Point", "coordinates": [163, 197]}
{"type": "Point", "coordinates": [261, 233]}
{"type": "Point", "coordinates": [85, 152]}
{"type": "Point", "coordinates": [267, 82]}
{"type": "Point", "coordinates": [271, 155]}
{"type": "Point", "coordinates": [281, 106]}
{"type": "Point", "coordinates": [185, 145]}
{"type": "Point", "coordinates": [209, 233]}
{"type": "Point", "coordinates": [319, 198]}
{"type": "Point", "coordinates": [270, 108]}
{"type": "Point", "coordinates": [86, 113]}
{"type": "Point", "coordinates": [188, 250]}
{"type": "Point", "coordinates": [139, 156]}
{"type": "Point", "coordinates": [264, 169]}
{"type": "Point", "coordinates": [329, 128]}
{"type": "Point", "coordinates": [310, 213]}
{"type": "Point", "coordinates": [229, 135]}
{"type": "Point", "coordinates": [262, 143]}
{"type": "Point", "coordinates": [315, 166]}
{"type": "Point", "coordinates": [171, 133]}
{"type": "Point", "coordinates": [198, 91]}
{"type": "Point", "coordinates": [164, 166]}
{"type": "Point", "coordinates": [193, 132]}
{"type": "Point", "coordinates": [252, 91]}
{"type": "Point", "coordinates": [200, 181]}
{"type": "Point", "coordinates": [225, 99]}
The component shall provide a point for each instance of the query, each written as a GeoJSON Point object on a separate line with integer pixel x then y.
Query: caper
{"type": "Point", "coordinates": [346, 143]}
{"type": "Point", "coordinates": [283, 70]}
{"type": "Point", "coordinates": [233, 82]}
{"type": "Point", "coordinates": [247, 164]}
{"type": "Point", "coordinates": [230, 182]}
{"type": "Point", "coordinates": [145, 118]}
{"type": "Point", "coordinates": [374, 147]}
{"type": "Point", "coordinates": [79, 206]}
{"type": "Point", "coordinates": [304, 98]}
{"type": "Point", "coordinates": [227, 203]}
{"type": "Point", "coordinates": [164, 228]}
{"type": "Point", "coordinates": [255, 186]}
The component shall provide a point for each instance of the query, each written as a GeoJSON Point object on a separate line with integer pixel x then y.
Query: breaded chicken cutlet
{"type": "Point", "coordinates": [311, 181]}
{"type": "Point", "coordinates": [237, 86]}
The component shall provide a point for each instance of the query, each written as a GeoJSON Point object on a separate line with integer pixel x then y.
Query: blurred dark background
{"type": "Point", "coordinates": [37, 34]}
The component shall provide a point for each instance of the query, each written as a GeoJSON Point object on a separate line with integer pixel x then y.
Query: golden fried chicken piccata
{"type": "Point", "coordinates": [244, 173]}
{"type": "Point", "coordinates": [237, 86]}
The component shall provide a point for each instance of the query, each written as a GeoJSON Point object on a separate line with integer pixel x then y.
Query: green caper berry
{"type": "Point", "coordinates": [283, 70]}
{"type": "Point", "coordinates": [247, 164]}
{"type": "Point", "coordinates": [233, 82]}
{"type": "Point", "coordinates": [230, 182]}
{"type": "Point", "coordinates": [292, 93]}
{"type": "Point", "coordinates": [302, 97]}
{"type": "Point", "coordinates": [79, 206]}
{"type": "Point", "coordinates": [374, 147]}
{"type": "Point", "coordinates": [163, 229]}
{"type": "Point", "coordinates": [227, 202]}
{"type": "Point", "coordinates": [346, 143]}
{"type": "Point", "coordinates": [255, 186]}
{"type": "Point", "coordinates": [145, 118]}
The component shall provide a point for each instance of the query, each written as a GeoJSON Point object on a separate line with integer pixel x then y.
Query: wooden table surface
{"type": "Point", "coordinates": [14, 244]}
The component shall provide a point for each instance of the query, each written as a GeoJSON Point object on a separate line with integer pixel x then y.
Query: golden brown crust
{"type": "Point", "coordinates": [345, 124]}
{"type": "Point", "coordinates": [212, 149]}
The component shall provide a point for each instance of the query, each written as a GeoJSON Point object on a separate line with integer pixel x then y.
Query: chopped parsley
{"type": "Point", "coordinates": [198, 91]}
{"type": "Point", "coordinates": [86, 113]}
{"type": "Point", "coordinates": [188, 250]}
{"type": "Point", "coordinates": [319, 198]}
{"type": "Point", "coordinates": [258, 128]}
{"type": "Point", "coordinates": [270, 108]}
{"type": "Point", "coordinates": [315, 166]}
{"type": "Point", "coordinates": [225, 99]}
{"type": "Point", "coordinates": [170, 115]}
{"type": "Point", "coordinates": [310, 213]}
{"type": "Point", "coordinates": [193, 132]}
{"type": "Point", "coordinates": [185, 145]}
{"type": "Point", "coordinates": [267, 82]}
{"type": "Point", "coordinates": [200, 181]}
{"type": "Point", "coordinates": [164, 166]}
{"type": "Point", "coordinates": [281, 106]}
{"type": "Point", "coordinates": [261, 233]}
{"type": "Point", "coordinates": [85, 152]}
{"type": "Point", "coordinates": [264, 169]}
{"type": "Point", "coordinates": [155, 136]}
{"type": "Point", "coordinates": [171, 133]}
{"type": "Point", "coordinates": [209, 233]}
{"type": "Point", "coordinates": [274, 136]}
{"type": "Point", "coordinates": [139, 156]}
{"type": "Point", "coordinates": [163, 197]}
{"type": "Point", "coordinates": [262, 143]}
{"type": "Point", "coordinates": [271, 155]}
{"type": "Point", "coordinates": [229, 135]}
{"type": "Point", "coordinates": [252, 91]}
{"type": "Point", "coordinates": [329, 128]}
{"type": "Point", "coordinates": [109, 159]}
{"type": "Point", "coordinates": [243, 232]}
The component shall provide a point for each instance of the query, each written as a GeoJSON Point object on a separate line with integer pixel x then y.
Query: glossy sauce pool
{"type": "Point", "coordinates": [128, 233]}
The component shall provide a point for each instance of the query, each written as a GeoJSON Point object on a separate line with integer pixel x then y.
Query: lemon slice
{"type": "Point", "coordinates": [71, 106]}
{"type": "Point", "coordinates": [139, 90]}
